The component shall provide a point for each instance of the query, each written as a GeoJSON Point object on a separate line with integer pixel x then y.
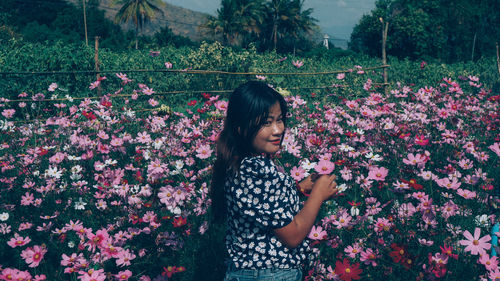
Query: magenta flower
{"type": "Point", "coordinates": [324, 167]}
{"type": "Point", "coordinates": [474, 244]}
{"type": "Point", "coordinates": [377, 173]}
{"type": "Point", "coordinates": [33, 256]}
{"type": "Point", "coordinates": [18, 241]}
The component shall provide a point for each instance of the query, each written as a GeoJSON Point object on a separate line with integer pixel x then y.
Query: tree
{"type": "Point", "coordinates": [445, 30]}
{"type": "Point", "coordinates": [287, 18]}
{"type": "Point", "coordinates": [139, 11]}
{"type": "Point", "coordinates": [238, 18]}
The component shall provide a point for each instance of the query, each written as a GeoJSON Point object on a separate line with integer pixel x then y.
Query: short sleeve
{"type": "Point", "coordinates": [261, 193]}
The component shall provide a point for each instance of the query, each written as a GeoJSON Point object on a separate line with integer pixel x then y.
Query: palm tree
{"type": "Point", "coordinates": [287, 17]}
{"type": "Point", "coordinates": [237, 18]}
{"type": "Point", "coordinates": [139, 11]}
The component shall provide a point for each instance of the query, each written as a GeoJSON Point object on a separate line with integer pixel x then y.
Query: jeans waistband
{"type": "Point", "coordinates": [257, 272]}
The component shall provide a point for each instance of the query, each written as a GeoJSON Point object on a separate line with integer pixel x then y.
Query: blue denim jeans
{"type": "Point", "coordinates": [271, 274]}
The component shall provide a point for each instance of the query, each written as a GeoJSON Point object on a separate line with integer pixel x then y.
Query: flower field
{"type": "Point", "coordinates": [99, 191]}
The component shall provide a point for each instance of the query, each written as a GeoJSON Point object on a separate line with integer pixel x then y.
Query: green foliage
{"type": "Point", "coordinates": [448, 31]}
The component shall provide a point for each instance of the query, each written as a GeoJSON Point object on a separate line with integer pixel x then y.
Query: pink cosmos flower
{"type": "Point", "coordinates": [221, 105]}
{"type": "Point", "coordinates": [297, 173]}
{"type": "Point", "coordinates": [474, 244]}
{"type": "Point", "coordinates": [124, 258]}
{"type": "Point", "coordinates": [317, 233]}
{"type": "Point", "coordinates": [382, 224]}
{"type": "Point", "coordinates": [352, 251]}
{"type": "Point", "coordinates": [204, 151]}
{"type": "Point", "coordinates": [342, 221]}
{"type": "Point", "coordinates": [143, 137]}
{"type": "Point", "coordinates": [377, 173]}
{"type": "Point", "coordinates": [495, 148]}
{"type": "Point", "coordinates": [123, 275]}
{"type": "Point", "coordinates": [33, 256]}
{"type": "Point", "coordinates": [168, 65]}
{"type": "Point", "coordinates": [92, 275]}
{"type": "Point", "coordinates": [8, 113]}
{"type": "Point", "coordinates": [148, 91]}
{"type": "Point", "coordinates": [491, 263]}
{"type": "Point", "coordinates": [18, 241]}
{"type": "Point", "coordinates": [298, 63]}
{"type": "Point", "coordinates": [369, 256]}
{"type": "Point", "coordinates": [467, 194]}
{"type": "Point", "coordinates": [340, 76]}
{"type": "Point", "coordinates": [448, 184]}
{"type": "Point", "coordinates": [14, 274]}
{"type": "Point", "coordinates": [52, 87]}
{"type": "Point", "coordinates": [414, 159]}
{"type": "Point", "coordinates": [324, 167]}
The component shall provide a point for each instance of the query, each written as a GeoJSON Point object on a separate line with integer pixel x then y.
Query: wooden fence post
{"type": "Point", "coordinates": [385, 29]}
{"type": "Point", "coordinates": [96, 61]}
{"type": "Point", "coordinates": [498, 59]}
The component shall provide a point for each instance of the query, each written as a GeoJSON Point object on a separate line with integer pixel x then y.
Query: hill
{"type": "Point", "coordinates": [181, 21]}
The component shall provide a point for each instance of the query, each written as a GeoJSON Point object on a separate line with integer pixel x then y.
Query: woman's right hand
{"type": "Point", "coordinates": [325, 187]}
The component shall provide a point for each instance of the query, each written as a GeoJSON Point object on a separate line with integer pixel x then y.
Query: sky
{"type": "Point", "coordinates": [335, 17]}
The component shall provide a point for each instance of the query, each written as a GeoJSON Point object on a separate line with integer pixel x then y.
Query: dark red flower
{"type": "Point", "coordinates": [179, 221]}
{"type": "Point", "coordinates": [347, 271]}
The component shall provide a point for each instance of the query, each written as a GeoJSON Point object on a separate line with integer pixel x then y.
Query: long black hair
{"type": "Point", "coordinates": [247, 110]}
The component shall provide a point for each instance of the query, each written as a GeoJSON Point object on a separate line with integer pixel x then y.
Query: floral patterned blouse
{"type": "Point", "coordinates": [260, 199]}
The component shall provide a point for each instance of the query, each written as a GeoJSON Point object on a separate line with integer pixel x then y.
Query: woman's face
{"type": "Point", "coordinates": [268, 139]}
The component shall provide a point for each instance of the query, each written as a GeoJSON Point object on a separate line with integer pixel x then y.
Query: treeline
{"type": "Point", "coordinates": [448, 31]}
{"type": "Point", "coordinates": [40, 21]}
{"type": "Point", "coordinates": [431, 30]}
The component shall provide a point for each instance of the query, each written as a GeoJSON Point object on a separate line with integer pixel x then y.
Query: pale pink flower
{"type": "Point", "coordinates": [124, 257]}
{"type": "Point", "coordinates": [123, 275]}
{"type": "Point", "coordinates": [352, 251]}
{"type": "Point", "coordinates": [147, 91]}
{"type": "Point", "coordinates": [94, 85]}
{"type": "Point", "coordinates": [204, 151]}
{"type": "Point", "coordinates": [448, 184]}
{"type": "Point", "coordinates": [414, 159]}
{"type": "Point", "coordinates": [8, 113]}
{"type": "Point", "coordinates": [377, 173]}
{"type": "Point", "coordinates": [168, 65]}
{"type": "Point", "coordinates": [298, 63]}
{"type": "Point", "coordinates": [92, 275]}
{"type": "Point", "coordinates": [297, 173]}
{"type": "Point", "coordinates": [467, 194]}
{"type": "Point", "coordinates": [221, 105]}
{"type": "Point", "coordinates": [153, 102]}
{"type": "Point", "coordinates": [491, 263]}
{"type": "Point", "coordinates": [342, 221]}
{"type": "Point", "coordinates": [317, 233]}
{"type": "Point", "coordinates": [475, 244]}
{"type": "Point", "coordinates": [495, 148]}
{"type": "Point", "coordinates": [340, 76]}
{"type": "Point", "coordinates": [369, 256]}
{"type": "Point", "coordinates": [143, 137]}
{"type": "Point", "coordinates": [52, 87]}
{"type": "Point", "coordinates": [324, 167]}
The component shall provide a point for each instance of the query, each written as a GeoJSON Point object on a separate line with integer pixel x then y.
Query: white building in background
{"type": "Point", "coordinates": [325, 40]}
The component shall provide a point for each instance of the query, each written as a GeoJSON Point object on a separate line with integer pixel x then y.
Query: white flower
{"type": "Point", "coordinates": [76, 169]}
{"type": "Point", "coordinates": [179, 164]}
{"type": "Point", "coordinates": [71, 244]}
{"type": "Point", "coordinates": [306, 165]}
{"type": "Point", "coordinates": [343, 187]}
{"type": "Point", "coordinates": [4, 216]}
{"type": "Point", "coordinates": [482, 220]}
{"type": "Point", "coordinates": [146, 154]}
{"type": "Point", "coordinates": [157, 144]}
{"type": "Point", "coordinates": [110, 162]}
{"type": "Point", "coordinates": [73, 158]}
{"type": "Point", "coordinates": [374, 157]}
{"type": "Point", "coordinates": [70, 99]}
{"type": "Point", "coordinates": [80, 205]}
{"type": "Point", "coordinates": [345, 147]}
{"type": "Point", "coordinates": [360, 131]}
{"type": "Point", "coordinates": [53, 172]}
